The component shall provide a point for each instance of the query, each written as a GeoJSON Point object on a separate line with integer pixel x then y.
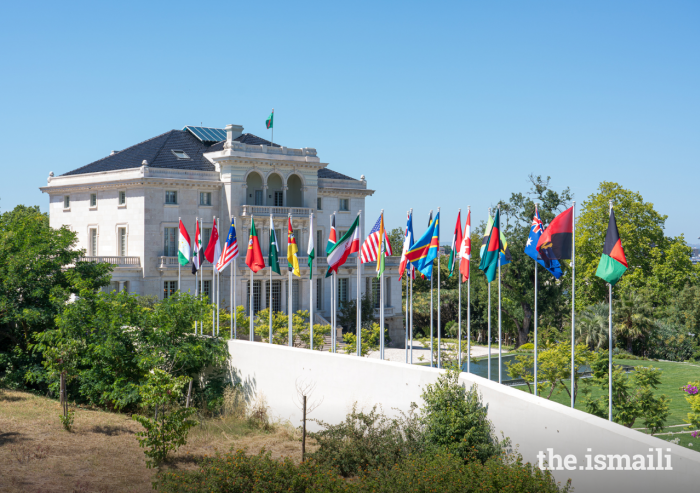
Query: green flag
{"type": "Point", "coordinates": [491, 250]}
{"type": "Point", "coordinates": [274, 250]}
{"type": "Point", "coordinates": [269, 121]}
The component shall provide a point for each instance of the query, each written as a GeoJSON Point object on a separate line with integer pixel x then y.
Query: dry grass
{"type": "Point", "coordinates": [101, 454]}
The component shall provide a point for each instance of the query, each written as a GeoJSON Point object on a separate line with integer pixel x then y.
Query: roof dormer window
{"type": "Point", "coordinates": [180, 154]}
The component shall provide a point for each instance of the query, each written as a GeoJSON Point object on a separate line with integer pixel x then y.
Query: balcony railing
{"type": "Point", "coordinates": [266, 210]}
{"type": "Point", "coordinates": [118, 261]}
{"type": "Point", "coordinates": [172, 263]}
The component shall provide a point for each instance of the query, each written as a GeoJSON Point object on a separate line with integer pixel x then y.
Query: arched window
{"type": "Point", "coordinates": [275, 195]}
{"type": "Point", "coordinates": [294, 194]}
{"type": "Point", "coordinates": [254, 189]}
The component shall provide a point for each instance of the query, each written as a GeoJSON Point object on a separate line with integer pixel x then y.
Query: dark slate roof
{"type": "Point", "coordinates": [333, 175]}
{"type": "Point", "coordinates": [158, 152]}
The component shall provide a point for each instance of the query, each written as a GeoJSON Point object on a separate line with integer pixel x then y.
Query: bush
{"type": "Point", "coordinates": [367, 440]}
{"type": "Point", "coordinates": [527, 347]}
{"type": "Point", "coordinates": [168, 429]}
{"type": "Point", "coordinates": [428, 471]}
{"type": "Point", "coordinates": [455, 420]}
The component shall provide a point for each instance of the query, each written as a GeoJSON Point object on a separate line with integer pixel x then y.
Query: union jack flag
{"type": "Point", "coordinates": [537, 226]}
{"type": "Point", "coordinates": [230, 249]}
{"type": "Point", "coordinates": [370, 248]}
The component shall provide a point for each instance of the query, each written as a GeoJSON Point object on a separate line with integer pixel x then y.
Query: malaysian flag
{"type": "Point", "coordinates": [230, 249]}
{"type": "Point", "coordinates": [370, 248]}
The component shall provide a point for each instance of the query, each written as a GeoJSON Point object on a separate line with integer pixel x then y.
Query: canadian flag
{"type": "Point", "coordinates": [465, 251]}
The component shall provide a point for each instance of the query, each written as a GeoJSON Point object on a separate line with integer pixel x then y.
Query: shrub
{"type": "Point", "coordinates": [239, 473]}
{"type": "Point", "coordinates": [428, 471]}
{"type": "Point", "coordinates": [527, 346]}
{"type": "Point", "coordinates": [67, 420]}
{"type": "Point", "coordinates": [168, 429]}
{"type": "Point", "coordinates": [455, 420]}
{"type": "Point", "coordinates": [366, 440]}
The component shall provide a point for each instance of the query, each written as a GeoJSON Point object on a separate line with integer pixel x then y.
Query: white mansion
{"type": "Point", "coordinates": [125, 210]}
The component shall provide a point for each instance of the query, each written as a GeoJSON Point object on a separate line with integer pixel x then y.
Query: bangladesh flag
{"type": "Point", "coordinates": [492, 248]}
{"type": "Point", "coordinates": [613, 262]}
{"type": "Point", "coordinates": [268, 122]}
{"type": "Point", "coordinates": [254, 258]}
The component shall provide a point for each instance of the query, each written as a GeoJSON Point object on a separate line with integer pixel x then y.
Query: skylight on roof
{"type": "Point", "coordinates": [180, 154]}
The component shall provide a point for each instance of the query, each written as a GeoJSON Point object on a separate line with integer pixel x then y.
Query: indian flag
{"type": "Point", "coordinates": [183, 250]}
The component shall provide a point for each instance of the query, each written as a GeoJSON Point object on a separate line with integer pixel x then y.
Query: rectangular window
{"type": "Point", "coordinates": [66, 202]}
{"type": "Point", "coordinates": [319, 202]}
{"type": "Point", "coordinates": [93, 242]}
{"type": "Point", "coordinates": [122, 198]}
{"type": "Point", "coordinates": [276, 295]}
{"type": "Point", "coordinates": [170, 244]}
{"type": "Point", "coordinates": [206, 289]}
{"type": "Point", "coordinates": [319, 294]}
{"type": "Point", "coordinates": [387, 291]}
{"type": "Point", "coordinates": [257, 285]}
{"type": "Point", "coordinates": [344, 205]}
{"type": "Point", "coordinates": [122, 241]}
{"type": "Point", "coordinates": [204, 198]}
{"type": "Point", "coordinates": [297, 237]}
{"type": "Point", "coordinates": [125, 286]}
{"type": "Point", "coordinates": [259, 197]}
{"type": "Point", "coordinates": [93, 200]}
{"type": "Point", "coordinates": [375, 292]}
{"type": "Point", "coordinates": [171, 197]}
{"type": "Point", "coordinates": [279, 199]}
{"type": "Point", "coordinates": [342, 291]}
{"type": "Point", "coordinates": [169, 288]}
{"type": "Point", "coordinates": [295, 295]}
{"type": "Point", "coordinates": [319, 246]}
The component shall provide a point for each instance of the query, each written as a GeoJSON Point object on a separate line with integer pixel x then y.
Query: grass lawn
{"type": "Point", "coordinates": [675, 376]}
{"type": "Point", "coordinates": [102, 454]}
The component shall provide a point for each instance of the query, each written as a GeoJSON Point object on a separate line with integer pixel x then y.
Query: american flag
{"type": "Point", "coordinates": [230, 249]}
{"type": "Point", "coordinates": [370, 248]}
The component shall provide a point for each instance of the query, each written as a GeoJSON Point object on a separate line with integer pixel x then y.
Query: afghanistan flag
{"type": "Point", "coordinates": [254, 258]}
{"type": "Point", "coordinates": [492, 250]}
{"type": "Point", "coordinates": [273, 254]}
{"type": "Point", "coordinates": [556, 241]}
{"type": "Point", "coordinates": [268, 122]}
{"type": "Point", "coordinates": [613, 262]}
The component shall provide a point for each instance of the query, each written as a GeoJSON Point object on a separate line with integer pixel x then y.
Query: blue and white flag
{"type": "Point", "coordinates": [531, 246]}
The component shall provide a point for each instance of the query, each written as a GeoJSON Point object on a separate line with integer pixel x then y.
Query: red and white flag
{"type": "Point", "coordinates": [465, 251]}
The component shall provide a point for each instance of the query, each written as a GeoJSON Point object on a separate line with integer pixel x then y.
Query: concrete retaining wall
{"type": "Point", "coordinates": [533, 424]}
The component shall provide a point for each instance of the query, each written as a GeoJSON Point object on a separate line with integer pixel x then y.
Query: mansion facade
{"type": "Point", "coordinates": [125, 210]}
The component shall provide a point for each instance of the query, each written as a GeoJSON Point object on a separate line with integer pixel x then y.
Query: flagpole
{"type": "Point", "coordinates": [469, 304]}
{"type": "Point", "coordinates": [489, 324]}
{"type": "Point", "coordinates": [535, 366]}
{"type": "Point", "coordinates": [235, 311]}
{"type": "Point", "coordinates": [250, 288]}
{"type": "Point", "coordinates": [459, 290]}
{"type": "Point", "coordinates": [610, 345]}
{"type": "Point", "coordinates": [358, 324]}
{"type": "Point", "coordinates": [311, 284]}
{"type": "Point", "coordinates": [179, 288]}
{"type": "Point", "coordinates": [213, 285]}
{"type": "Point", "coordinates": [335, 314]}
{"type": "Point", "coordinates": [573, 302]}
{"type": "Point", "coordinates": [332, 295]}
{"type": "Point", "coordinates": [500, 336]}
{"type": "Point", "coordinates": [431, 305]}
{"type": "Point", "coordinates": [269, 307]}
{"type": "Point", "coordinates": [410, 275]}
{"type": "Point", "coordinates": [201, 275]}
{"type": "Point", "coordinates": [439, 331]}
{"type": "Point", "coordinates": [272, 127]}
{"type": "Point", "coordinates": [218, 287]}
{"type": "Point", "coordinates": [195, 272]}
{"type": "Point", "coordinates": [289, 308]}
{"type": "Point", "coordinates": [405, 344]}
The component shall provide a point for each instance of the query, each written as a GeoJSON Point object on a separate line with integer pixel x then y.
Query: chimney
{"type": "Point", "coordinates": [233, 132]}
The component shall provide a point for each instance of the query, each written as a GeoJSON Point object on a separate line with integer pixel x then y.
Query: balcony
{"type": "Point", "coordinates": [266, 210]}
{"type": "Point", "coordinates": [123, 262]}
{"type": "Point", "coordinates": [165, 263]}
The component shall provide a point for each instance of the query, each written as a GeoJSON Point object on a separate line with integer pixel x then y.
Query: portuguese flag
{"type": "Point", "coordinates": [492, 249]}
{"type": "Point", "coordinates": [613, 262]}
{"type": "Point", "coordinates": [254, 258]}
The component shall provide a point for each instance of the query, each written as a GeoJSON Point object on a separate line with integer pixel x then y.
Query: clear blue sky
{"type": "Point", "coordinates": [437, 103]}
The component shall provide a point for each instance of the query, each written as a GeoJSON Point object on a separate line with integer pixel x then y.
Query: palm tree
{"type": "Point", "coordinates": [633, 317]}
{"type": "Point", "coordinates": [592, 326]}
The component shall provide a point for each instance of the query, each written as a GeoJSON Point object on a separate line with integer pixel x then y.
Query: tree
{"type": "Point", "coordinates": [654, 260]}
{"type": "Point", "coordinates": [592, 326]}
{"type": "Point", "coordinates": [39, 270]}
{"type": "Point", "coordinates": [370, 340]}
{"type": "Point", "coordinates": [396, 237]}
{"type": "Point", "coordinates": [108, 344]}
{"type": "Point", "coordinates": [634, 319]}
{"type": "Point", "coordinates": [347, 315]}
{"type": "Point", "coordinates": [518, 277]}
{"type": "Point", "coordinates": [168, 428]}
{"type": "Point", "coordinates": [301, 336]}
